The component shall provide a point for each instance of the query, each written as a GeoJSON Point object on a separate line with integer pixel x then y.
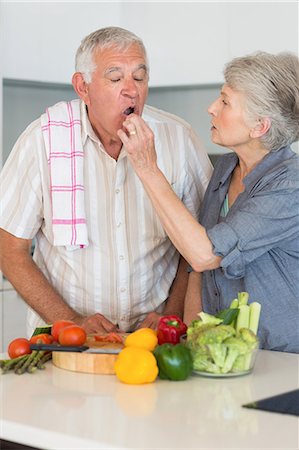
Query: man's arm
{"type": "Point", "coordinates": [192, 304]}
{"type": "Point", "coordinates": [19, 268]}
{"type": "Point", "coordinates": [175, 301]}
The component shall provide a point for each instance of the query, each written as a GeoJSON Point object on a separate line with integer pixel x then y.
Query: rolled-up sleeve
{"type": "Point", "coordinates": [262, 222]}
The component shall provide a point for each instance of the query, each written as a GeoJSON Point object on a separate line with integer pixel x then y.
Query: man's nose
{"type": "Point", "coordinates": [130, 88]}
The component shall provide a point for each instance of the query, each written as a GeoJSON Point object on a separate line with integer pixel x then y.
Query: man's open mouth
{"type": "Point", "coordinates": [129, 111]}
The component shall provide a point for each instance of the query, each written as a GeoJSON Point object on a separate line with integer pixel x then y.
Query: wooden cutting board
{"type": "Point", "coordinates": [97, 363]}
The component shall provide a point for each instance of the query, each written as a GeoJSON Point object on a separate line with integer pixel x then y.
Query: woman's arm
{"type": "Point", "coordinates": [188, 236]}
{"type": "Point", "coordinates": [193, 298]}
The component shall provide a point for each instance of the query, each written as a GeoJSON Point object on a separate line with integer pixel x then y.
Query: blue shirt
{"type": "Point", "coordinates": [259, 242]}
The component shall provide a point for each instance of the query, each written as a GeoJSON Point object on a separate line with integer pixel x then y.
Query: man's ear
{"type": "Point", "coordinates": [261, 128]}
{"type": "Point", "coordinates": [80, 86]}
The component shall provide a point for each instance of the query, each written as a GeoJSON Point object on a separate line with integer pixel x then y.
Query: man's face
{"type": "Point", "coordinates": [119, 87]}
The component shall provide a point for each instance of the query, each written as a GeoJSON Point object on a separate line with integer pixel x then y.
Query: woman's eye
{"type": "Point", "coordinates": [115, 80]}
{"type": "Point", "coordinates": [224, 102]}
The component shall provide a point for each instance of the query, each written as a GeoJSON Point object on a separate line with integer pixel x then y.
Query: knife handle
{"type": "Point", "coordinates": [59, 348]}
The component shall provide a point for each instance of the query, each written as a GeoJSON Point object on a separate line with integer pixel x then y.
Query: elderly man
{"type": "Point", "coordinates": [101, 257]}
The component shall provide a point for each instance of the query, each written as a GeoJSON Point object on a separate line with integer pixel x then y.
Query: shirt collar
{"type": "Point", "coordinates": [231, 162]}
{"type": "Point", "coordinates": [86, 128]}
{"type": "Point", "coordinates": [270, 161]}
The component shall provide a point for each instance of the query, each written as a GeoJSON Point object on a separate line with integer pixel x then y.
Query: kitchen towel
{"type": "Point", "coordinates": [61, 127]}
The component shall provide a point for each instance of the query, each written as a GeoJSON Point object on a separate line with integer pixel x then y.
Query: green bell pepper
{"type": "Point", "coordinates": [174, 361]}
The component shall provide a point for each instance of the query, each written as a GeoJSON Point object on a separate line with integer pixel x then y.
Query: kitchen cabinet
{"type": "Point", "coordinates": [12, 315]}
{"type": "Point", "coordinates": [56, 408]}
{"type": "Point", "coordinates": [188, 42]}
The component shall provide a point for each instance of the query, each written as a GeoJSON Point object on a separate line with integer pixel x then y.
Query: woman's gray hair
{"type": "Point", "coordinates": [107, 37]}
{"type": "Point", "coordinates": [271, 87]}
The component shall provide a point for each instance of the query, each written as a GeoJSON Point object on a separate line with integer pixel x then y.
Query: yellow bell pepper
{"type": "Point", "coordinates": [143, 338]}
{"type": "Point", "coordinates": [136, 366]}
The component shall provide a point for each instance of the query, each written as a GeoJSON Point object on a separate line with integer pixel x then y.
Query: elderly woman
{"type": "Point", "coordinates": [248, 236]}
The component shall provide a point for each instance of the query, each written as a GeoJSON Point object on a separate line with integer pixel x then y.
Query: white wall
{"type": "Point", "coordinates": [188, 42]}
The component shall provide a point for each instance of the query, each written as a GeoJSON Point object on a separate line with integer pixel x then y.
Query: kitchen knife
{"type": "Point", "coordinates": [59, 348]}
{"type": "Point", "coordinates": [70, 348]}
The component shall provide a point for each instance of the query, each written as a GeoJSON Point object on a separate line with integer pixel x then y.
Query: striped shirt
{"type": "Point", "coordinates": [129, 265]}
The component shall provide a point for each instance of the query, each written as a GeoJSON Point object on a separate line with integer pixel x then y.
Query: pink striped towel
{"type": "Point", "coordinates": [61, 127]}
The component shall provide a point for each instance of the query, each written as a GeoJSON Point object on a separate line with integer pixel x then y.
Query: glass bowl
{"type": "Point", "coordinates": [204, 365]}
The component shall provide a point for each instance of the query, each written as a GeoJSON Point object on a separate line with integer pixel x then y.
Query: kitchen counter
{"type": "Point", "coordinates": [59, 409]}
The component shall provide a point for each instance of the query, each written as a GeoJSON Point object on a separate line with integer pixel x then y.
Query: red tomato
{"type": "Point", "coordinates": [58, 326]}
{"type": "Point", "coordinates": [111, 337]}
{"type": "Point", "coordinates": [44, 338]}
{"type": "Point", "coordinates": [72, 335]}
{"type": "Point", "coordinates": [19, 347]}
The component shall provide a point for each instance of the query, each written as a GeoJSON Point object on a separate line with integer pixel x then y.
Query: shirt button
{"type": "Point", "coordinates": [121, 257]}
{"type": "Point", "coordinates": [122, 289]}
{"type": "Point", "coordinates": [117, 191]}
{"type": "Point", "coordinates": [118, 224]}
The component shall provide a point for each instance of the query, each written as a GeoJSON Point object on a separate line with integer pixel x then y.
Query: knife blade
{"type": "Point", "coordinates": [108, 351]}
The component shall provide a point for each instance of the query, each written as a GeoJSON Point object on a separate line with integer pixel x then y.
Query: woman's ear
{"type": "Point", "coordinates": [261, 128]}
{"type": "Point", "coordinates": [80, 86]}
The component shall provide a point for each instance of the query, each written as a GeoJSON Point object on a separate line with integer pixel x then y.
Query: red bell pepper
{"type": "Point", "coordinates": [170, 329]}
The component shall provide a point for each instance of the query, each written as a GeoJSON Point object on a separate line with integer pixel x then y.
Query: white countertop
{"type": "Point", "coordinates": [59, 409]}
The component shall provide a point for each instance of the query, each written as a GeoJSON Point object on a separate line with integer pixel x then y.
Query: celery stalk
{"type": "Point", "coordinates": [243, 317]}
{"type": "Point", "coordinates": [234, 304]}
{"type": "Point", "coordinates": [254, 316]}
{"type": "Point", "coordinates": [243, 298]}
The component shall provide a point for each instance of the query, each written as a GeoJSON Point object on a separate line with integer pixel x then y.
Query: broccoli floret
{"type": "Point", "coordinates": [249, 337]}
{"type": "Point", "coordinates": [206, 344]}
{"type": "Point", "coordinates": [244, 362]}
{"type": "Point", "coordinates": [194, 330]}
{"type": "Point", "coordinates": [197, 326]}
{"type": "Point", "coordinates": [240, 363]}
{"type": "Point", "coordinates": [218, 353]}
{"type": "Point", "coordinates": [203, 363]}
{"type": "Point", "coordinates": [216, 334]}
{"type": "Point", "coordinates": [235, 348]}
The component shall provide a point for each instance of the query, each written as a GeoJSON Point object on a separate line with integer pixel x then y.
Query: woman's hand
{"type": "Point", "coordinates": [139, 141]}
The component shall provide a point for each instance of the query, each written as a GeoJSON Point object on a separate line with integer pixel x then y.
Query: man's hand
{"type": "Point", "coordinates": [151, 321]}
{"type": "Point", "coordinates": [97, 323]}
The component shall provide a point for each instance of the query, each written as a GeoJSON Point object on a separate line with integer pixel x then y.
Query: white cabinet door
{"type": "Point", "coordinates": [13, 317]}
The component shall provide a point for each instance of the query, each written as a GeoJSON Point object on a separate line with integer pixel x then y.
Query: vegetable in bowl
{"type": "Point", "coordinates": [218, 344]}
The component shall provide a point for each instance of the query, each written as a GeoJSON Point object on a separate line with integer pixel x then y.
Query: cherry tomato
{"type": "Point", "coordinates": [72, 335]}
{"type": "Point", "coordinates": [19, 347]}
{"type": "Point", "coordinates": [58, 326]}
{"type": "Point", "coordinates": [44, 338]}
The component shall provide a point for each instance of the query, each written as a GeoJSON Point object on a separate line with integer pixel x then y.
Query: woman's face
{"type": "Point", "coordinates": [229, 125]}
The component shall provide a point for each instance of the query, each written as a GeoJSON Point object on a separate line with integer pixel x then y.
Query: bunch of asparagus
{"type": "Point", "coordinates": [26, 363]}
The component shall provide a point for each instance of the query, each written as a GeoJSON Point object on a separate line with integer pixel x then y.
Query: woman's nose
{"type": "Point", "coordinates": [212, 108]}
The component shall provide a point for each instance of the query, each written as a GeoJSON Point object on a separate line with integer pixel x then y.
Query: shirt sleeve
{"type": "Point", "coordinates": [261, 223]}
{"type": "Point", "coordinates": [20, 192]}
